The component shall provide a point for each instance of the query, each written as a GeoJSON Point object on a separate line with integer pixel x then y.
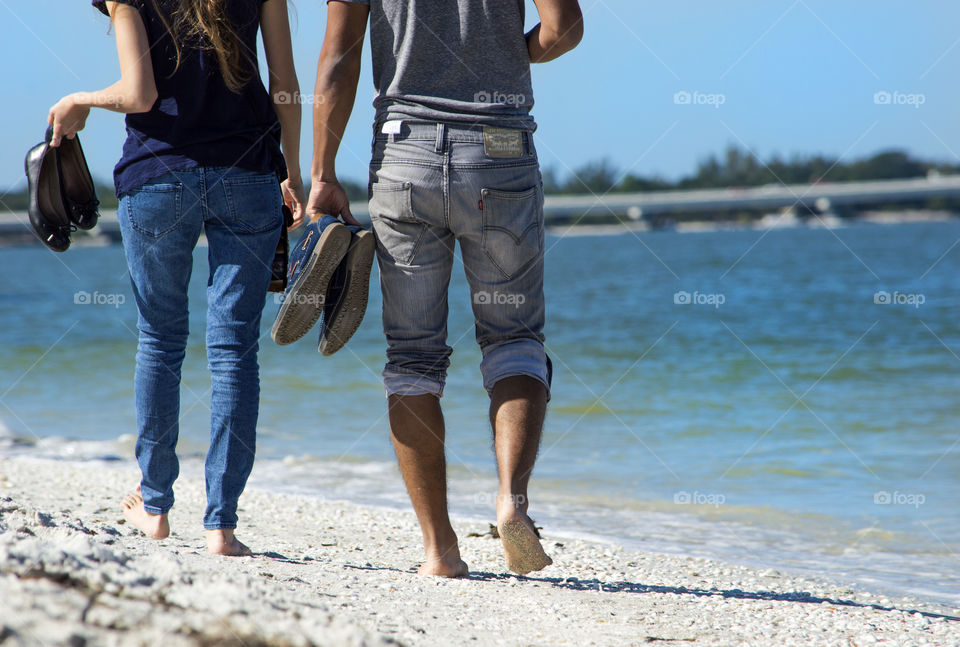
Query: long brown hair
{"type": "Point", "coordinates": [206, 23]}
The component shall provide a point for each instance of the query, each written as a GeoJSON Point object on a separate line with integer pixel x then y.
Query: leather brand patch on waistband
{"type": "Point", "coordinates": [501, 142]}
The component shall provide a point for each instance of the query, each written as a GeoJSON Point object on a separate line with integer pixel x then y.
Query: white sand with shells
{"type": "Point", "coordinates": [72, 573]}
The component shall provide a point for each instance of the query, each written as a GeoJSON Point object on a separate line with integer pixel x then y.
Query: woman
{"type": "Point", "coordinates": [205, 149]}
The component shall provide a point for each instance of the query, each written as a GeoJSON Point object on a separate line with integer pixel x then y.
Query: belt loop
{"type": "Point", "coordinates": [441, 131]}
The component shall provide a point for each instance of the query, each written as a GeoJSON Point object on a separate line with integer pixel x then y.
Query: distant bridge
{"type": "Point", "coordinates": [818, 197]}
{"type": "Point", "coordinates": [15, 227]}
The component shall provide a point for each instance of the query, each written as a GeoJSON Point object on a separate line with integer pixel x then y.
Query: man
{"type": "Point", "coordinates": [453, 161]}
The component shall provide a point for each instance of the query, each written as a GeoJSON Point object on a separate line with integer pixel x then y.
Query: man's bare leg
{"type": "Point", "coordinates": [154, 526]}
{"type": "Point", "coordinates": [416, 424]}
{"type": "Point", "coordinates": [518, 406]}
{"type": "Point", "coordinates": [222, 542]}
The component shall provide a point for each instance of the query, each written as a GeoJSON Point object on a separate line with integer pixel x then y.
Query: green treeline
{"type": "Point", "coordinates": [738, 168]}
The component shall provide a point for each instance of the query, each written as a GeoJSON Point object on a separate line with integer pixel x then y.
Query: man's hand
{"type": "Point", "coordinates": [293, 197]}
{"type": "Point", "coordinates": [330, 198]}
{"type": "Point", "coordinates": [67, 118]}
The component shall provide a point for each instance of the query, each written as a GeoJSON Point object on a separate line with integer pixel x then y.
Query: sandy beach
{"type": "Point", "coordinates": [332, 573]}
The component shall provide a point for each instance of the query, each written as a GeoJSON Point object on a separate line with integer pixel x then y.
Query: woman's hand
{"type": "Point", "coordinates": [294, 197]}
{"type": "Point", "coordinates": [68, 117]}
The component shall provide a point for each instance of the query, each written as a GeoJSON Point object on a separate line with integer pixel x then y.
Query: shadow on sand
{"type": "Point", "coordinates": [600, 586]}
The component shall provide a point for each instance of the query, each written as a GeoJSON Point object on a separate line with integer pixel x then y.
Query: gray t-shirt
{"type": "Point", "coordinates": [451, 60]}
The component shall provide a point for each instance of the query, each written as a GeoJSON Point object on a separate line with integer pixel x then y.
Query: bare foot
{"type": "Point", "coordinates": [222, 542]}
{"type": "Point", "coordinates": [154, 526]}
{"type": "Point", "coordinates": [444, 561]}
{"type": "Point", "coordinates": [451, 566]}
{"type": "Point", "coordinates": [520, 543]}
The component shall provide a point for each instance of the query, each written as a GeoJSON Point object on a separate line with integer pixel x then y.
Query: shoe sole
{"type": "Point", "coordinates": [301, 308]}
{"type": "Point", "coordinates": [359, 265]}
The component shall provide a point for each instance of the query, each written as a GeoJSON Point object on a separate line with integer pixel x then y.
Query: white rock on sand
{"type": "Point", "coordinates": [72, 573]}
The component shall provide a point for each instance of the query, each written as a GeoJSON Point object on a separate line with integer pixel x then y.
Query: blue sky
{"type": "Point", "coordinates": [776, 76]}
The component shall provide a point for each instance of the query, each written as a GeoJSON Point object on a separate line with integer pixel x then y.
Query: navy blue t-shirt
{"type": "Point", "coordinates": [197, 121]}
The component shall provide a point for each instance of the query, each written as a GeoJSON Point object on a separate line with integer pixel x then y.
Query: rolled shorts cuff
{"type": "Point", "coordinates": [399, 382]}
{"type": "Point", "coordinates": [520, 357]}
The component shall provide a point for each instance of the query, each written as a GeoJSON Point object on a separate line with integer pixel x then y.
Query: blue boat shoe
{"type": "Point", "coordinates": [312, 263]}
{"type": "Point", "coordinates": [346, 298]}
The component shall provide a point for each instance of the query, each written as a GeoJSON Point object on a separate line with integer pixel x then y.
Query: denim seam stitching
{"type": "Point", "coordinates": [204, 210]}
{"type": "Point", "coordinates": [493, 165]}
{"type": "Point", "coordinates": [398, 371]}
{"type": "Point", "coordinates": [409, 162]}
{"type": "Point", "coordinates": [446, 187]}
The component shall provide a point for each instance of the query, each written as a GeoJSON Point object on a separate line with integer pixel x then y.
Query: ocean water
{"type": "Point", "coordinates": [786, 399]}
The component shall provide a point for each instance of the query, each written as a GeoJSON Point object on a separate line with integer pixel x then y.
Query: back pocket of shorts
{"type": "Point", "coordinates": [155, 209]}
{"type": "Point", "coordinates": [398, 231]}
{"type": "Point", "coordinates": [512, 236]}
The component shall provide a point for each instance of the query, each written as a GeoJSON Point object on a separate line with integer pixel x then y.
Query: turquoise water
{"type": "Point", "coordinates": [785, 419]}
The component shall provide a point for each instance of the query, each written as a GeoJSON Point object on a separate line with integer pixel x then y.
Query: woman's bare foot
{"type": "Point", "coordinates": [154, 526]}
{"type": "Point", "coordinates": [521, 546]}
{"type": "Point", "coordinates": [222, 542]}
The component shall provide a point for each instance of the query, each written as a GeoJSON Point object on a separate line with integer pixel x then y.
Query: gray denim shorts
{"type": "Point", "coordinates": [433, 185]}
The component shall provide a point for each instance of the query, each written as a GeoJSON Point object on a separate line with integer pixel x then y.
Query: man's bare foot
{"type": "Point", "coordinates": [450, 566]}
{"type": "Point", "coordinates": [154, 526]}
{"type": "Point", "coordinates": [520, 543]}
{"type": "Point", "coordinates": [222, 542]}
{"type": "Point", "coordinates": [443, 559]}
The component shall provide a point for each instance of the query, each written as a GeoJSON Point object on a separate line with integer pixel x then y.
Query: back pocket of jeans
{"type": "Point", "coordinates": [398, 231]}
{"type": "Point", "coordinates": [512, 236]}
{"type": "Point", "coordinates": [254, 203]}
{"type": "Point", "coordinates": [155, 209]}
